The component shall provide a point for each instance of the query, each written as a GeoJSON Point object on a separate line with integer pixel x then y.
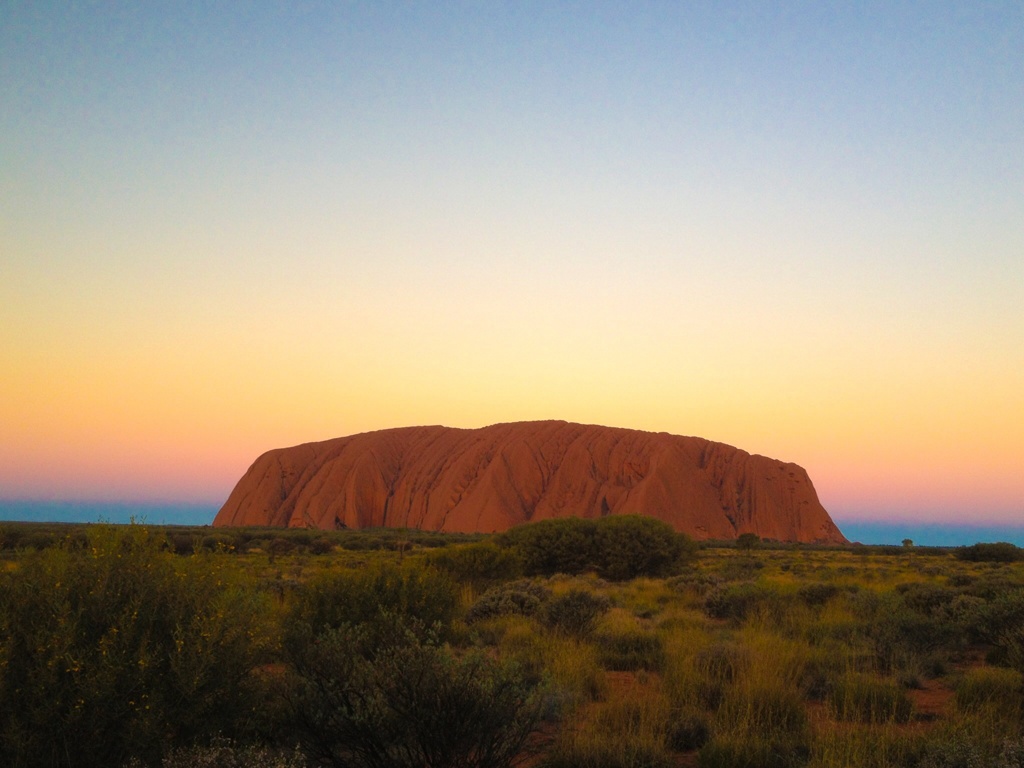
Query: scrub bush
{"type": "Point", "coordinates": [575, 613]}
{"type": "Point", "coordinates": [817, 594]}
{"type": "Point", "coordinates": [480, 564]}
{"type": "Point", "coordinates": [618, 547]}
{"type": "Point", "coordinates": [519, 598]}
{"type": "Point", "coordinates": [998, 552]}
{"type": "Point", "coordinates": [373, 596]}
{"type": "Point", "coordinates": [120, 649]}
{"type": "Point", "coordinates": [739, 601]}
{"type": "Point", "coordinates": [409, 702]}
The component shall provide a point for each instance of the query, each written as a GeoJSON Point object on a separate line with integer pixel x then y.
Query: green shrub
{"type": "Point", "coordinates": [628, 546]}
{"type": "Point", "coordinates": [900, 633]}
{"type": "Point", "coordinates": [280, 546]}
{"type": "Point", "coordinates": [321, 546]}
{"type": "Point", "coordinates": [998, 552]}
{"type": "Point", "coordinates": [371, 596]}
{"type": "Point", "coordinates": [518, 598]}
{"type": "Point", "coordinates": [574, 613]}
{"type": "Point", "coordinates": [738, 601]}
{"type": "Point", "coordinates": [990, 621]}
{"type": "Point", "coordinates": [120, 649]}
{"type": "Point", "coordinates": [547, 547]}
{"type": "Point", "coordinates": [409, 702]}
{"type": "Point", "coordinates": [926, 598]}
{"type": "Point", "coordinates": [218, 542]}
{"type": "Point", "coordinates": [817, 594]}
{"type": "Point", "coordinates": [747, 541]}
{"type": "Point", "coordinates": [480, 564]}
{"type": "Point", "coordinates": [617, 547]}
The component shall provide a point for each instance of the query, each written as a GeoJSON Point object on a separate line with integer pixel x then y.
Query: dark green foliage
{"type": "Point", "coordinates": [321, 546]}
{"type": "Point", "coordinates": [926, 598]}
{"type": "Point", "coordinates": [899, 633]}
{"type": "Point", "coordinates": [120, 649]}
{"type": "Point", "coordinates": [280, 546]}
{"type": "Point", "coordinates": [817, 594]}
{"type": "Point", "coordinates": [519, 598]}
{"type": "Point", "coordinates": [373, 596]}
{"type": "Point", "coordinates": [993, 619]}
{"type": "Point", "coordinates": [998, 552]}
{"type": "Point", "coordinates": [738, 601]}
{"type": "Point", "coordinates": [565, 545]}
{"type": "Point", "coordinates": [575, 613]}
{"type": "Point", "coordinates": [182, 543]}
{"type": "Point", "coordinates": [408, 703]}
{"type": "Point", "coordinates": [747, 540]}
{"type": "Point", "coordinates": [480, 564]}
{"type": "Point", "coordinates": [618, 547]}
{"type": "Point", "coordinates": [688, 730]}
{"type": "Point", "coordinates": [629, 546]}
{"type": "Point", "coordinates": [217, 542]}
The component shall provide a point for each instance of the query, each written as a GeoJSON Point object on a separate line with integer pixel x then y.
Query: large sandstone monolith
{"type": "Point", "coordinates": [489, 479]}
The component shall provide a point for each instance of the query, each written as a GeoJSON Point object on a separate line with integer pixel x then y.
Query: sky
{"type": "Point", "coordinates": [796, 228]}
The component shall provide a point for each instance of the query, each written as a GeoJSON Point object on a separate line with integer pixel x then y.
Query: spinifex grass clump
{"type": "Point", "coordinates": [982, 688]}
{"type": "Point", "coordinates": [761, 718]}
{"type": "Point", "coordinates": [866, 698]}
{"type": "Point", "coordinates": [632, 729]}
{"type": "Point", "coordinates": [627, 644]}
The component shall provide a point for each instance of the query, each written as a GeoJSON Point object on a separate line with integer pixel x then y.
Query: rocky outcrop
{"type": "Point", "coordinates": [486, 480]}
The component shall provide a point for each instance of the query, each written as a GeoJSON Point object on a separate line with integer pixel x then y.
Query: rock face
{"type": "Point", "coordinates": [487, 480]}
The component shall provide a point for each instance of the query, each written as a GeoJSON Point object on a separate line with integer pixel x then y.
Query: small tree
{"type": "Point", "coordinates": [409, 702]}
{"type": "Point", "coordinates": [908, 543]}
{"type": "Point", "coordinates": [747, 541]}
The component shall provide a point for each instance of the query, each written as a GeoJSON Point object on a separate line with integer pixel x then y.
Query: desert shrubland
{"type": "Point", "coordinates": [147, 647]}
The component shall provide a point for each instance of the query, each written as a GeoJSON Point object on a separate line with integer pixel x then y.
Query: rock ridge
{"type": "Point", "coordinates": [492, 478]}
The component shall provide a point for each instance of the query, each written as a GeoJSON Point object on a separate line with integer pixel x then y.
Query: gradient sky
{"type": "Point", "coordinates": [797, 228]}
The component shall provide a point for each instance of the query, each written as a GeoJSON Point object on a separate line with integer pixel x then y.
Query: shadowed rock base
{"type": "Point", "coordinates": [489, 479]}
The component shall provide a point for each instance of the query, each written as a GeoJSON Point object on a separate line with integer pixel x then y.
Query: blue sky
{"type": "Point", "coordinates": [796, 228]}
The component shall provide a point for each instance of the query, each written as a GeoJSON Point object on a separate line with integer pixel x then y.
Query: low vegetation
{"type": "Point", "coordinates": [582, 644]}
